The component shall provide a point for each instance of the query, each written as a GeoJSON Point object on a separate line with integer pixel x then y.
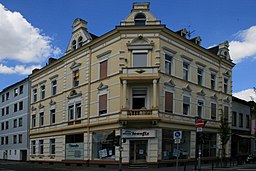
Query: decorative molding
{"type": "Point", "coordinates": [214, 96]}
{"type": "Point", "coordinates": [170, 83]}
{"type": "Point", "coordinates": [104, 54]}
{"type": "Point", "coordinates": [102, 87]}
{"type": "Point", "coordinates": [187, 88]}
{"type": "Point", "coordinates": [226, 100]}
{"type": "Point", "coordinates": [75, 65]}
{"type": "Point", "coordinates": [52, 102]}
{"type": "Point", "coordinates": [40, 106]}
{"type": "Point", "coordinates": [201, 93]}
{"type": "Point", "coordinates": [140, 71]}
{"type": "Point", "coordinates": [74, 94]}
{"type": "Point", "coordinates": [169, 50]}
{"type": "Point", "coordinates": [33, 108]}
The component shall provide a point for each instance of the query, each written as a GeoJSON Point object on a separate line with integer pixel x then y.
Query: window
{"type": "Point", "coordinates": [140, 19]}
{"type": "Point", "coordinates": [7, 125]}
{"type": "Point", "coordinates": [140, 59]}
{"type": "Point", "coordinates": [21, 89]}
{"type": "Point", "coordinates": [2, 126]}
{"type": "Point", "coordinates": [168, 102]}
{"type": "Point", "coordinates": [7, 96]}
{"type": "Point", "coordinates": [7, 110]}
{"type": "Point", "coordinates": [103, 69]}
{"type": "Point", "coordinates": [14, 139]}
{"type": "Point", "coordinates": [2, 111]}
{"type": "Point", "coordinates": [41, 147]}
{"type": "Point", "coordinates": [6, 140]}
{"type": "Point", "coordinates": [186, 105]}
{"type": "Point", "coordinates": [185, 71]}
{"type": "Point", "coordinates": [20, 122]}
{"type": "Point", "coordinates": [241, 121]}
{"type": "Point", "coordinates": [75, 78]}
{"type": "Point", "coordinates": [200, 72]}
{"type": "Point", "coordinates": [74, 111]}
{"type": "Point", "coordinates": [34, 94]}
{"type": "Point", "coordinates": [15, 123]}
{"type": "Point", "coordinates": [168, 64]}
{"type": "Point", "coordinates": [33, 124]}
{"type": "Point", "coordinates": [52, 146]}
{"type": "Point", "coordinates": [226, 112]}
{"type": "Point", "coordinates": [20, 138]}
{"type": "Point", "coordinates": [139, 98]}
{"type": "Point", "coordinates": [54, 87]}
{"type": "Point", "coordinates": [247, 121]}
{"type": "Point", "coordinates": [234, 118]}
{"type": "Point", "coordinates": [74, 44]}
{"type": "Point", "coordinates": [33, 147]}
{"type": "Point", "coordinates": [41, 119]}
{"type": "Point", "coordinates": [200, 108]}
{"type": "Point", "coordinates": [103, 104]}
{"type": "Point", "coordinates": [15, 92]}
{"type": "Point", "coordinates": [21, 105]}
{"type": "Point", "coordinates": [213, 81]}
{"type": "Point", "coordinates": [15, 109]}
{"type": "Point", "coordinates": [52, 116]}
{"type": "Point", "coordinates": [225, 85]}
{"type": "Point", "coordinates": [213, 111]}
{"type": "Point", "coordinates": [42, 91]}
{"type": "Point", "coordinates": [80, 41]}
{"type": "Point", "coordinates": [3, 98]}
{"type": "Point", "coordinates": [2, 140]}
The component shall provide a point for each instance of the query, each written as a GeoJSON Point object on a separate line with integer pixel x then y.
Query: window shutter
{"type": "Point", "coordinates": [103, 102]}
{"type": "Point", "coordinates": [103, 69]}
{"type": "Point", "coordinates": [168, 102]}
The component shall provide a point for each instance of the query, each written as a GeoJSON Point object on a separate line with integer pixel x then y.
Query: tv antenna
{"type": "Point", "coordinates": [190, 32]}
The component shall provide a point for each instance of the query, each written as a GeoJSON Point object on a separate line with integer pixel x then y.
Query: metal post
{"type": "Point", "coordinates": [177, 157]}
{"type": "Point", "coordinates": [199, 157]}
{"type": "Point", "coordinates": [120, 151]}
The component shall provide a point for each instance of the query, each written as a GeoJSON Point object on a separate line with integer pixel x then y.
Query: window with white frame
{"type": "Point", "coordinates": [52, 116]}
{"type": "Point", "coordinates": [140, 58]}
{"type": "Point", "coordinates": [21, 105]}
{"type": "Point", "coordinates": [41, 147]}
{"type": "Point", "coordinates": [52, 146]}
{"type": "Point", "coordinates": [20, 122]}
{"type": "Point", "coordinates": [7, 110]}
{"type": "Point", "coordinates": [74, 111]}
{"type": "Point", "coordinates": [41, 118]}
{"type": "Point", "coordinates": [75, 78]}
{"type": "Point", "coordinates": [213, 111]}
{"type": "Point", "coordinates": [7, 96]}
{"type": "Point", "coordinates": [33, 147]}
{"type": "Point", "coordinates": [54, 87]}
{"type": "Point", "coordinates": [42, 87]}
{"type": "Point", "coordinates": [225, 84]}
{"type": "Point", "coordinates": [186, 105]}
{"type": "Point", "coordinates": [168, 63]}
{"type": "Point", "coordinates": [15, 92]}
{"type": "Point", "coordinates": [14, 139]}
{"type": "Point", "coordinates": [200, 108]}
{"type": "Point", "coordinates": [15, 123]}
{"type": "Point", "coordinates": [20, 138]}
{"type": "Point", "coordinates": [80, 41]}
{"type": "Point", "coordinates": [34, 94]}
{"type": "Point", "coordinates": [200, 72]}
{"type": "Point", "coordinates": [33, 121]}
{"type": "Point", "coordinates": [185, 71]}
{"type": "Point", "coordinates": [213, 81]}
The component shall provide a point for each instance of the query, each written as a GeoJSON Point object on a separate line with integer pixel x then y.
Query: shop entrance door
{"type": "Point", "coordinates": [138, 151]}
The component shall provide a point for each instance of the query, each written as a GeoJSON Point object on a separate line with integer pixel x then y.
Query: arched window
{"type": "Point", "coordinates": [140, 19]}
{"type": "Point", "coordinates": [80, 43]}
{"type": "Point", "coordinates": [74, 45]}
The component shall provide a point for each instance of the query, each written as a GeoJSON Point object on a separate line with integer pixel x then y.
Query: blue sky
{"type": "Point", "coordinates": [44, 30]}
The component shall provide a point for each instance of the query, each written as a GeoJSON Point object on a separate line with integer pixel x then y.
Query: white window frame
{"type": "Point", "coordinates": [41, 119]}
{"type": "Point", "coordinates": [52, 146]}
{"type": "Point", "coordinates": [189, 109]}
{"type": "Point", "coordinates": [140, 52]}
{"type": "Point", "coordinates": [33, 146]}
{"type": "Point", "coordinates": [42, 91]}
{"type": "Point", "coordinates": [170, 63]}
{"type": "Point", "coordinates": [100, 93]}
{"type": "Point", "coordinates": [51, 116]}
{"type": "Point", "coordinates": [41, 147]}
{"type": "Point", "coordinates": [213, 80]}
{"type": "Point", "coordinates": [74, 109]}
{"type": "Point", "coordinates": [215, 110]}
{"type": "Point", "coordinates": [54, 86]}
{"type": "Point", "coordinates": [199, 101]}
{"type": "Point", "coordinates": [200, 68]}
{"type": "Point", "coordinates": [34, 94]}
{"type": "Point", "coordinates": [147, 105]}
{"type": "Point", "coordinates": [187, 70]}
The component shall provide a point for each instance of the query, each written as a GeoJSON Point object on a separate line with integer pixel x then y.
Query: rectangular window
{"type": "Point", "coordinates": [20, 138]}
{"type": "Point", "coordinates": [7, 125]}
{"type": "Point", "coordinates": [33, 124]}
{"type": "Point", "coordinates": [15, 123]}
{"type": "Point", "coordinates": [225, 85]}
{"type": "Point", "coordinates": [15, 92]}
{"type": "Point", "coordinates": [3, 98]}
{"type": "Point", "coordinates": [2, 126]}
{"type": "Point", "coordinates": [2, 140]}
{"type": "Point", "coordinates": [78, 110]}
{"type": "Point", "coordinates": [2, 111]}
{"type": "Point", "coordinates": [186, 105]}
{"type": "Point", "coordinates": [247, 121]}
{"type": "Point", "coordinates": [7, 110]}
{"type": "Point", "coordinates": [33, 147]}
{"type": "Point", "coordinates": [213, 81]}
{"type": "Point", "coordinates": [6, 140]}
{"type": "Point", "coordinates": [71, 112]}
{"type": "Point", "coordinates": [200, 108]}
{"type": "Point", "coordinates": [42, 91]}
{"type": "Point", "coordinates": [52, 116]}
{"type": "Point", "coordinates": [34, 94]}
{"type": "Point", "coordinates": [213, 111]}
{"type": "Point", "coordinates": [226, 112]}
{"type": "Point", "coordinates": [140, 59]}
{"type": "Point", "coordinates": [241, 120]}
{"type": "Point", "coordinates": [41, 119]}
{"type": "Point", "coordinates": [15, 108]}
{"type": "Point", "coordinates": [7, 96]}
{"type": "Point", "coordinates": [41, 147]}
{"type": "Point", "coordinates": [168, 102]}
{"type": "Point", "coordinates": [75, 111]}
{"type": "Point", "coordinates": [52, 146]}
{"type": "Point", "coordinates": [104, 69]}
{"type": "Point", "coordinates": [234, 118]}
{"type": "Point", "coordinates": [21, 105]}
{"type": "Point", "coordinates": [75, 78]}
{"type": "Point", "coordinates": [185, 71]}
{"type": "Point", "coordinates": [200, 72]}
{"type": "Point", "coordinates": [54, 87]}
{"type": "Point", "coordinates": [103, 104]}
{"type": "Point", "coordinates": [168, 64]}
{"type": "Point", "coordinates": [20, 122]}
{"type": "Point", "coordinates": [21, 89]}
{"type": "Point", "coordinates": [14, 139]}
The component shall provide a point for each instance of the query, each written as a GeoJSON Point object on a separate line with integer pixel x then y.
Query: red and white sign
{"type": "Point", "coordinates": [199, 123]}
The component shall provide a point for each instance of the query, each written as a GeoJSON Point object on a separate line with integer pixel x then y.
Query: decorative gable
{"type": "Point", "coordinates": [102, 87]}
{"type": "Point", "coordinates": [170, 83]}
{"type": "Point", "coordinates": [187, 88]}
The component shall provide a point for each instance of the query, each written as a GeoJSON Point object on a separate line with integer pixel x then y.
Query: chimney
{"type": "Point", "coordinates": [183, 32]}
{"type": "Point", "coordinates": [197, 40]}
{"type": "Point", "coordinates": [51, 60]}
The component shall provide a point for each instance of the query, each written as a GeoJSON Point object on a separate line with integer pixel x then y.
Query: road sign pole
{"type": "Point", "coordinates": [177, 157]}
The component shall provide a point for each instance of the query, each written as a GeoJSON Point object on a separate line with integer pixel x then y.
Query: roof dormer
{"type": "Point", "coordinates": [140, 15]}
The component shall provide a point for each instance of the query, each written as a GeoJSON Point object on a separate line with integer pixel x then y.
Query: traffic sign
{"type": "Point", "coordinates": [199, 123]}
{"type": "Point", "coordinates": [177, 141]}
{"type": "Point", "coordinates": [177, 134]}
{"type": "Point", "coordinates": [199, 129]}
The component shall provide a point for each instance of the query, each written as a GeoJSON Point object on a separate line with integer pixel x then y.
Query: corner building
{"type": "Point", "coordinates": [141, 81]}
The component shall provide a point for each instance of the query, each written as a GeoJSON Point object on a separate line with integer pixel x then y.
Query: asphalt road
{"type": "Point", "coordinates": [23, 166]}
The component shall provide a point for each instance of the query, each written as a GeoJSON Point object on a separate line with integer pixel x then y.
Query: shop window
{"type": "Point", "coordinates": [103, 145]}
{"type": "Point", "coordinates": [168, 102]}
{"type": "Point", "coordinates": [208, 144]}
{"type": "Point", "coordinates": [75, 147]}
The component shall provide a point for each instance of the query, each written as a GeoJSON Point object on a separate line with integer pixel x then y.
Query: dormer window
{"type": "Point", "coordinates": [74, 45]}
{"type": "Point", "coordinates": [140, 19]}
{"type": "Point", "coordinates": [80, 43]}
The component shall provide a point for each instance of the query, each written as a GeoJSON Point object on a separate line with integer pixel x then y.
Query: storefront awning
{"type": "Point", "coordinates": [245, 136]}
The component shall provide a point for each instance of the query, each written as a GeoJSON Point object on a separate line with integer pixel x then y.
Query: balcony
{"type": "Point", "coordinates": [140, 73]}
{"type": "Point", "coordinates": [138, 112]}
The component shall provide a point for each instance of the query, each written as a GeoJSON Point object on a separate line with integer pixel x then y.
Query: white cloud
{"type": "Point", "coordinates": [18, 69]}
{"type": "Point", "coordinates": [245, 46]}
{"type": "Point", "coordinates": [20, 41]}
{"type": "Point", "coordinates": [246, 95]}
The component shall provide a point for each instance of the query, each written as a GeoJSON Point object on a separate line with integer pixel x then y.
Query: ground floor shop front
{"type": "Point", "coordinates": [138, 146]}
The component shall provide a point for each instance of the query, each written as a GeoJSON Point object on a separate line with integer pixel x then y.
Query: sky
{"type": "Point", "coordinates": [31, 31]}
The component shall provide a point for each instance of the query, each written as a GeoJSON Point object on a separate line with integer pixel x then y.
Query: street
{"type": "Point", "coordinates": [24, 166]}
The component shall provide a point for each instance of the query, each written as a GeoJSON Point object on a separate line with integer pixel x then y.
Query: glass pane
{"type": "Point", "coordinates": [140, 59]}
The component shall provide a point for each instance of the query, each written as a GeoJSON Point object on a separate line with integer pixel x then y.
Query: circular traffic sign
{"type": "Point", "coordinates": [177, 134]}
{"type": "Point", "coordinates": [199, 123]}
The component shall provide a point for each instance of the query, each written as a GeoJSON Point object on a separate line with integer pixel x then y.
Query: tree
{"type": "Point", "coordinates": [225, 134]}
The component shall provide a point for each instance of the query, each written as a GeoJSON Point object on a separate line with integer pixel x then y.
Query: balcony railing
{"type": "Point", "coordinates": [140, 72]}
{"type": "Point", "coordinates": [139, 112]}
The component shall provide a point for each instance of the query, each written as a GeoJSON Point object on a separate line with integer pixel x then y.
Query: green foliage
{"type": "Point", "coordinates": [225, 131]}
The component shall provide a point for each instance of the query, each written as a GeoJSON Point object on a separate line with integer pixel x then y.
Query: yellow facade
{"type": "Point", "coordinates": [136, 85]}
